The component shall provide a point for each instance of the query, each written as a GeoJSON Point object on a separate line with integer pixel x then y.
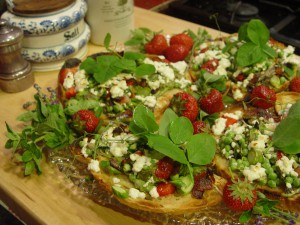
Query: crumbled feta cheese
{"type": "Point", "coordinates": [135, 193]}
{"type": "Point", "coordinates": [237, 94]}
{"type": "Point", "coordinates": [153, 192]}
{"type": "Point", "coordinates": [194, 87]}
{"type": "Point", "coordinates": [288, 185]}
{"type": "Point", "coordinates": [150, 181]}
{"type": "Point", "coordinates": [84, 147]}
{"type": "Point", "coordinates": [260, 143]}
{"type": "Point", "coordinates": [255, 172]}
{"type": "Point", "coordinates": [93, 91]}
{"type": "Point", "coordinates": [149, 101]}
{"type": "Point", "coordinates": [139, 162]}
{"type": "Point", "coordinates": [286, 166]}
{"type": "Point", "coordinates": [69, 80]}
{"type": "Point", "coordinates": [118, 149]}
{"type": "Point", "coordinates": [116, 180]}
{"type": "Point", "coordinates": [94, 165]}
{"type": "Point", "coordinates": [231, 115]}
{"type": "Point", "coordinates": [180, 66]}
{"type": "Point", "coordinates": [183, 83]}
{"type": "Point", "coordinates": [80, 80]}
{"type": "Point", "coordinates": [219, 126]}
{"type": "Point", "coordinates": [118, 90]}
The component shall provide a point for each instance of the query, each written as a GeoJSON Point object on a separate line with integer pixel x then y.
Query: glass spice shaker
{"type": "Point", "coordinates": [15, 71]}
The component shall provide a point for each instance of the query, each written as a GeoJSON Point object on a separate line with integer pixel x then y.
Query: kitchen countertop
{"type": "Point", "coordinates": [50, 198]}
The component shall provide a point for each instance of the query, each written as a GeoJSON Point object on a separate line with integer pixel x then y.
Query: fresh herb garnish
{"type": "Point", "coordinates": [108, 66]}
{"type": "Point", "coordinates": [255, 36]}
{"type": "Point", "coordinates": [174, 137]}
{"type": "Point", "coordinates": [286, 136]}
{"type": "Point", "coordinates": [48, 129]}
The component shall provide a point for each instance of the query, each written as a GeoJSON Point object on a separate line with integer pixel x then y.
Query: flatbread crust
{"type": "Point", "coordinates": [171, 204]}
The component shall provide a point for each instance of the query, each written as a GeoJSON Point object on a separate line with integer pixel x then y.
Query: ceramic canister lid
{"type": "Point", "coordinates": [36, 7]}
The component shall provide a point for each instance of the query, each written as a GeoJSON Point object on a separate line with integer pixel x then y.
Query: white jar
{"type": "Point", "coordinates": [110, 16]}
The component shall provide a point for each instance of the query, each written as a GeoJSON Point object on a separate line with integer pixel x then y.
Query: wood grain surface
{"type": "Point", "coordinates": [39, 6]}
{"type": "Point", "coordinates": [50, 198]}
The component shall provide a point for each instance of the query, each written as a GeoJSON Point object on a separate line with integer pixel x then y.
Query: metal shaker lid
{"type": "Point", "coordinates": [9, 34]}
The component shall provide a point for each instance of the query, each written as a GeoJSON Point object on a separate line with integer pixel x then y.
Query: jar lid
{"type": "Point", "coordinates": [9, 34]}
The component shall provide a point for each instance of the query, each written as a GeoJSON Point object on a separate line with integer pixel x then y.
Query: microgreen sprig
{"type": "Point", "coordinates": [48, 129]}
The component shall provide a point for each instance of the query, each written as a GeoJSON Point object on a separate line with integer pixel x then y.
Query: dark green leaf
{"type": "Point", "coordinates": [27, 156]}
{"type": "Point", "coordinates": [257, 32]}
{"type": "Point", "coordinates": [286, 136]}
{"type": "Point", "coordinates": [133, 42]}
{"type": "Point", "coordinates": [248, 54]}
{"type": "Point", "coordinates": [168, 116]}
{"type": "Point", "coordinates": [201, 149]}
{"type": "Point", "coordinates": [181, 130]}
{"type": "Point", "coordinates": [127, 65]}
{"type": "Point", "coordinates": [229, 46]}
{"type": "Point", "coordinates": [270, 52]}
{"type": "Point", "coordinates": [136, 129]}
{"type": "Point", "coordinates": [88, 65]}
{"type": "Point", "coordinates": [52, 140]}
{"type": "Point", "coordinates": [228, 100]}
{"type": "Point", "coordinates": [243, 36]}
{"type": "Point", "coordinates": [9, 144]}
{"type": "Point", "coordinates": [144, 119]}
{"type": "Point", "coordinates": [134, 55]}
{"type": "Point", "coordinates": [144, 69]}
{"type": "Point", "coordinates": [211, 78]}
{"type": "Point", "coordinates": [289, 71]}
{"type": "Point", "coordinates": [76, 105]}
{"type": "Point", "coordinates": [165, 146]}
{"type": "Point", "coordinates": [245, 216]}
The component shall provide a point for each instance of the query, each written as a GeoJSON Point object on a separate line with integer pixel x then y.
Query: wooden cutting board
{"type": "Point", "coordinates": [31, 7]}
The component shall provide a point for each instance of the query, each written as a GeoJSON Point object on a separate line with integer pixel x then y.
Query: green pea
{"type": "Point", "coordinates": [227, 154]}
{"type": "Point", "coordinates": [233, 164]}
{"type": "Point", "coordinates": [296, 182]}
{"type": "Point", "coordinates": [269, 170]}
{"type": "Point", "coordinates": [289, 180]}
{"type": "Point", "coordinates": [195, 67]}
{"type": "Point", "coordinates": [227, 148]}
{"type": "Point", "coordinates": [272, 183]}
{"type": "Point", "coordinates": [267, 165]}
{"type": "Point", "coordinates": [227, 140]}
{"type": "Point", "coordinates": [230, 134]}
{"type": "Point", "coordinates": [244, 151]}
{"type": "Point", "coordinates": [272, 176]}
{"type": "Point", "coordinates": [263, 182]}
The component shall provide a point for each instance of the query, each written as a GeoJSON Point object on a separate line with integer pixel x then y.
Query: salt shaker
{"type": "Point", "coordinates": [15, 71]}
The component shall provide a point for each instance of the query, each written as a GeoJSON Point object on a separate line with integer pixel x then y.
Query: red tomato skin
{"type": "Point", "coordinates": [164, 189]}
{"type": "Point", "coordinates": [211, 65]}
{"type": "Point", "coordinates": [165, 168]}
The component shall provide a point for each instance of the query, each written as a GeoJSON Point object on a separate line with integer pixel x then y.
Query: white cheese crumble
{"type": "Point", "coordinates": [135, 193]}
{"type": "Point", "coordinates": [286, 166]}
{"type": "Point", "coordinates": [180, 66]}
{"type": "Point", "coordinates": [118, 149]}
{"type": "Point", "coordinates": [116, 180]}
{"type": "Point", "coordinates": [94, 165]}
{"type": "Point", "coordinates": [219, 126]}
{"type": "Point", "coordinates": [260, 143]}
{"type": "Point", "coordinates": [237, 94]}
{"type": "Point", "coordinates": [69, 80]}
{"type": "Point", "coordinates": [139, 162]}
{"type": "Point", "coordinates": [118, 90]}
{"type": "Point", "coordinates": [149, 101]}
{"type": "Point", "coordinates": [153, 192]}
{"type": "Point", "coordinates": [80, 80]}
{"type": "Point", "coordinates": [255, 172]}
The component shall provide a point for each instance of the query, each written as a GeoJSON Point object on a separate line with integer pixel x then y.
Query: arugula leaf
{"type": "Point", "coordinates": [168, 116]}
{"type": "Point", "coordinates": [201, 149]}
{"type": "Point", "coordinates": [165, 146]}
{"type": "Point", "coordinates": [286, 136]}
{"type": "Point", "coordinates": [245, 216]}
{"type": "Point", "coordinates": [181, 130]}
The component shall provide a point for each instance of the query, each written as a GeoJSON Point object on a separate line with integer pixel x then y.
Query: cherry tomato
{"type": "Point", "coordinates": [279, 154]}
{"type": "Point", "coordinates": [165, 167]}
{"type": "Point", "coordinates": [71, 92]}
{"type": "Point", "coordinates": [211, 65]}
{"type": "Point", "coordinates": [164, 189]}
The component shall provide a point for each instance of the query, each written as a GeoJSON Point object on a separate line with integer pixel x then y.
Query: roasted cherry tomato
{"type": "Point", "coordinates": [164, 189]}
{"type": "Point", "coordinates": [165, 167]}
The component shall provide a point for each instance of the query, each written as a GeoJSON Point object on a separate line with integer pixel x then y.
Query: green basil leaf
{"type": "Point", "coordinates": [165, 146]}
{"type": "Point", "coordinates": [181, 130]}
{"type": "Point", "coordinates": [168, 116]}
{"type": "Point", "coordinates": [201, 149]}
{"type": "Point", "coordinates": [211, 78]}
{"type": "Point", "coordinates": [257, 32]}
{"type": "Point", "coordinates": [248, 54]}
{"type": "Point", "coordinates": [88, 65]}
{"type": "Point", "coordinates": [228, 100]}
{"type": "Point", "coordinates": [144, 69]}
{"type": "Point", "coordinates": [26, 117]}
{"type": "Point", "coordinates": [144, 119]}
{"type": "Point", "coordinates": [27, 156]}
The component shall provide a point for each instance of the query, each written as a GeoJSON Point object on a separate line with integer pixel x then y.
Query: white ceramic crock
{"type": "Point", "coordinates": [48, 23]}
